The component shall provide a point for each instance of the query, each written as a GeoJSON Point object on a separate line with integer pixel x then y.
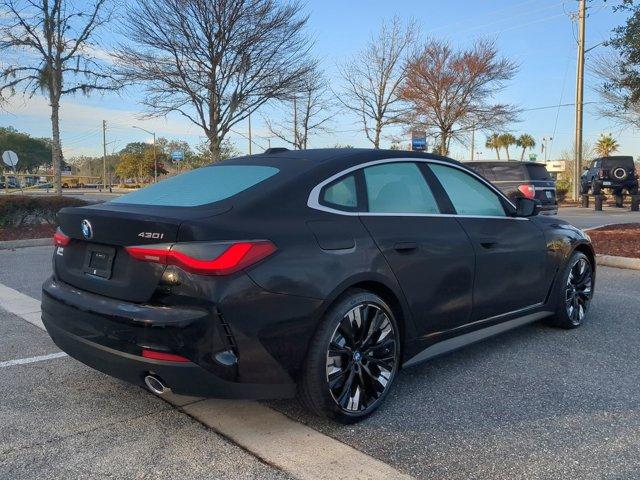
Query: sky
{"type": "Point", "coordinates": [538, 35]}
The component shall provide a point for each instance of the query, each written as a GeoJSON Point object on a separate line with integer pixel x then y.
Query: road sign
{"type": "Point", "coordinates": [418, 140]}
{"type": "Point", "coordinates": [177, 156]}
{"type": "Point", "coordinates": [10, 158]}
{"type": "Point", "coordinates": [533, 157]}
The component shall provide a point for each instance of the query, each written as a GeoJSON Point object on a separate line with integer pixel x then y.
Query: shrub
{"type": "Point", "coordinates": [562, 189]}
{"type": "Point", "coordinates": [17, 210]}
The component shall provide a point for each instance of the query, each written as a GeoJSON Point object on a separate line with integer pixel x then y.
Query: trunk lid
{"type": "Point", "coordinates": [95, 260]}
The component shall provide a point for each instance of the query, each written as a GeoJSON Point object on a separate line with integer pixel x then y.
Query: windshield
{"type": "Point", "coordinates": [201, 186]}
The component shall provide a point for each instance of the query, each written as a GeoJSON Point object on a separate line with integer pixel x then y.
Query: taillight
{"type": "Point", "coordinates": [60, 239]}
{"type": "Point", "coordinates": [167, 357]}
{"type": "Point", "coordinates": [205, 258]}
{"type": "Point", "coordinates": [601, 173]}
{"type": "Point", "coordinates": [528, 190]}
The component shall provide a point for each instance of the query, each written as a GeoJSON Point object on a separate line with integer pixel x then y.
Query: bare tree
{"type": "Point", "coordinates": [618, 102]}
{"type": "Point", "coordinates": [54, 41]}
{"type": "Point", "coordinates": [307, 112]}
{"type": "Point", "coordinates": [373, 78]}
{"type": "Point", "coordinates": [214, 61]}
{"type": "Point", "coordinates": [451, 91]}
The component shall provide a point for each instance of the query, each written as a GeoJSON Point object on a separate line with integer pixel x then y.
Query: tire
{"type": "Point", "coordinates": [344, 383]}
{"type": "Point", "coordinates": [633, 190]}
{"type": "Point", "coordinates": [573, 292]}
{"type": "Point", "coordinates": [596, 188]}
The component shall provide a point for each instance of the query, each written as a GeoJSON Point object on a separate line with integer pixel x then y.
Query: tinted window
{"type": "Point", "coordinates": [508, 172]}
{"type": "Point", "coordinates": [468, 195]}
{"type": "Point", "coordinates": [538, 172]}
{"type": "Point", "coordinates": [398, 188]}
{"type": "Point", "coordinates": [341, 193]}
{"type": "Point", "coordinates": [200, 186]}
{"type": "Point", "coordinates": [626, 162]}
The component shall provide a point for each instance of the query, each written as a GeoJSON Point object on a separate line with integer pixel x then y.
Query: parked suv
{"type": "Point", "coordinates": [614, 173]}
{"type": "Point", "coordinates": [521, 179]}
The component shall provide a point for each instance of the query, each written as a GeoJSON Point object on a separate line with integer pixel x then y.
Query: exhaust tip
{"type": "Point", "coordinates": [156, 385]}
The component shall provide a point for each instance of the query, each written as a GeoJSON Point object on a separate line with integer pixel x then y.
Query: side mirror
{"type": "Point", "coordinates": [527, 207]}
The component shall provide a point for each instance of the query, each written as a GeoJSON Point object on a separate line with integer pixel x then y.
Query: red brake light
{"type": "Point", "coordinates": [601, 173]}
{"type": "Point", "coordinates": [60, 239]}
{"type": "Point", "coordinates": [235, 257]}
{"type": "Point", "coordinates": [529, 191]}
{"type": "Point", "coordinates": [167, 357]}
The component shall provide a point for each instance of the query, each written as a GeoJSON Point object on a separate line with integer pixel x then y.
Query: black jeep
{"type": "Point", "coordinates": [614, 173]}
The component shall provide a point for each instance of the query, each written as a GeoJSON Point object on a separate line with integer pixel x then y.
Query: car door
{"type": "Point", "coordinates": [429, 253]}
{"type": "Point", "coordinates": [510, 252]}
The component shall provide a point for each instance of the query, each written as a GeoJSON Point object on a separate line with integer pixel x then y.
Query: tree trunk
{"type": "Point", "coordinates": [56, 147]}
{"type": "Point", "coordinates": [214, 147]}
{"type": "Point", "coordinates": [376, 139]}
{"type": "Point", "coordinates": [507, 150]}
{"type": "Point", "coordinates": [498, 153]}
{"type": "Point", "coordinates": [522, 156]}
{"type": "Point", "coordinates": [443, 143]}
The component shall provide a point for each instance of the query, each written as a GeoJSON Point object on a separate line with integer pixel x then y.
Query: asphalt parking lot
{"type": "Point", "coordinates": [533, 403]}
{"type": "Point", "coordinates": [589, 218]}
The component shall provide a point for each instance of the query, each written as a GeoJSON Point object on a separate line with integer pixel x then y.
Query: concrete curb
{"type": "Point", "coordinates": [29, 242]}
{"type": "Point", "coordinates": [618, 262]}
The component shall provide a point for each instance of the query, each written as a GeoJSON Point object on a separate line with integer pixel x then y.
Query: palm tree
{"type": "Point", "coordinates": [606, 145]}
{"type": "Point", "coordinates": [525, 141]}
{"type": "Point", "coordinates": [506, 140]}
{"type": "Point", "coordinates": [493, 142]}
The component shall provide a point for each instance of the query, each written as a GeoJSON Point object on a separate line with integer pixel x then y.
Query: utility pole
{"type": "Point", "coordinates": [104, 154]}
{"type": "Point", "coordinates": [473, 140]}
{"type": "Point", "coordinates": [155, 160]}
{"type": "Point", "coordinates": [295, 124]}
{"type": "Point", "coordinates": [579, 99]}
{"type": "Point", "coordinates": [249, 134]}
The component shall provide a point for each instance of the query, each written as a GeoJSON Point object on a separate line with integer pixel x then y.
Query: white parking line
{"type": "Point", "coordinates": [24, 361]}
{"type": "Point", "coordinates": [269, 435]}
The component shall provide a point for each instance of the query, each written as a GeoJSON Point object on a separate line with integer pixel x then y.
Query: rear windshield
{"type": "Point", "coordinates": [508, 172]}
{"type": "Point", "coordinates": [626, 162]}
{"type": "Point", "coordinates": [200, 186]}
{"type": "Point", "coordinates": [538, 172]}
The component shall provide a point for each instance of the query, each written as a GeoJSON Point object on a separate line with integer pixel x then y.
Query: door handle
{"type": "Point", "coordinates": [405, 247]}
{"type": "Point", "coordinates": [488, 242]}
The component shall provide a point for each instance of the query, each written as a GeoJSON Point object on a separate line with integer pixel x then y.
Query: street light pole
{"type": "Point", "coordinates": [155, 159]}
{"type": "Point", "coordinates": [579, 99]}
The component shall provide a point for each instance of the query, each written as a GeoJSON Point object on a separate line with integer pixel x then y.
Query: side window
{"type": "Point", "coordinates": [398, 187]}
{"type": "Point", "coordinates": [341, 193]}
{"type": "Point", "coordinates": [468, 195]}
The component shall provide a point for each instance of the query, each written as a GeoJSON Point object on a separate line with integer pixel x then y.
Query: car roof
{"type": "Point", "coordinates": [328, 157]}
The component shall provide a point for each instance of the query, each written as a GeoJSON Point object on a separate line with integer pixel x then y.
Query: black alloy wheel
{"type": "Point", "coordinates": [578, 290]}
{"type": "Point", "coordinates": [353, 359]}
{"type": "Point", "coordinates": [361, 358]}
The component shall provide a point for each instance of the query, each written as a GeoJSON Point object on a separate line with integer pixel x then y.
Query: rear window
{"type": "Point", "coordinates": [538, 172]}
{"type": "Point", "coordinates": [200, 186]}
{"type": "Point", "coordinates": [502, 173]}
{"type": "Point", "coordinates": [626, 162]}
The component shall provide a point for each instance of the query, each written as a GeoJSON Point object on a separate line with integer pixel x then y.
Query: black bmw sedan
{"type": "Point", "coordinates": [319, 273]}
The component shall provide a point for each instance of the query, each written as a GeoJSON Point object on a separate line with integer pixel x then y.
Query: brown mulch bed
{"type": "Point", "coordinates": [620, 240]}
{"type": "Point", "coordinates": [27, 231]}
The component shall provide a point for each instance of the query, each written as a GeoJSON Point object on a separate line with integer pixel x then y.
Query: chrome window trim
{"type": "Point", "coordinates": [314, 196]}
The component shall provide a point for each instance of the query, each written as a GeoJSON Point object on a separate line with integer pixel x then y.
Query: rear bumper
{"type": "Point", "coordinates": [108, 335]}
{"type": "Point", "coordinates": [549, 209]}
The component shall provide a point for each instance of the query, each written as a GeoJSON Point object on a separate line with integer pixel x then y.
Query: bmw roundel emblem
{"type": "Point", "coordinates": [87, 230]}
